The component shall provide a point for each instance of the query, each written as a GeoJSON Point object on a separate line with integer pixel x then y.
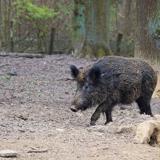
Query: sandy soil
{"type": "Point", "coordinates": [35, 116]}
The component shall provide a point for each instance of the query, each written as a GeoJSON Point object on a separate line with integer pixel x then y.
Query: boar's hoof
{"type": "Point", "coordinates": [73, 109]}
{"type": "Point", "coordinates": [92, 123]}
{"type": "Point", "coordinates": [107, 122]}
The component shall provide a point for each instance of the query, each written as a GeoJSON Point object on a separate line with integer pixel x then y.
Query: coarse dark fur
{"type": "Point", "coordinates": [113, 80]}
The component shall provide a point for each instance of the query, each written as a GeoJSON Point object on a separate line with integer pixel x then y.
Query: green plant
{"type": "Point", "coordinates": [37, 16]}
{"type": "Point", "coordinates": [33, 12]}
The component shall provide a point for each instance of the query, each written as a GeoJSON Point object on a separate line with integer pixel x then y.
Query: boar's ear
{"type": "Point", "coordinates": [74, 71]}
{"type": "Point", "coordinates": [94, 74]}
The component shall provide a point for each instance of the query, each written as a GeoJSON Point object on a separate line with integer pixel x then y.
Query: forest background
{"type": "Point", "coordinates": [91, 28]}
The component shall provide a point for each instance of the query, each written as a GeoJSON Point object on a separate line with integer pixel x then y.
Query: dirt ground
{"type": "Point", "coordinates": [35, 116]}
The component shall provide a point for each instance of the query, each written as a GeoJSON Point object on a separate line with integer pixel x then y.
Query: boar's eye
{"type": "Point", "coordinates": [94, 74]}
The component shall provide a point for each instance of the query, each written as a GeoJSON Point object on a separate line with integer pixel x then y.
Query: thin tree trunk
{"type": "Point", "coordinates": [1, 25]}
{"type": "Point", "coordinates": [124, 24]}
{"type": "Point", "coordinates": [78, 26]}
{"type": "Point", "coordinates": [11, 27]}
{"type": "Point", "coordinates": [11, 37]}
{"type": "Point", "coordinates": [51, 45]}
{"type": "Point", "coordinates": [118, 44]}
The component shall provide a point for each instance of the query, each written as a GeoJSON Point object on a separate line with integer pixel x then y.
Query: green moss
{"type": "Point", "coordinates": [100, 52]}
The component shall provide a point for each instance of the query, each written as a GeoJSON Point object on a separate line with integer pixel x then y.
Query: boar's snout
{"type": "Point", "coordinates": [80, 104]}
{"type": "Point", "coordinates": [73, 109]}
{"type": "Point", "coordinates": [74, 105]}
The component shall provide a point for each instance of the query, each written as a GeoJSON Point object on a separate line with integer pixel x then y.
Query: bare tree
{"type": "Point", "coordinates": [145, 46]}
{"type": "Point", "coordinates": [93, 27]}
{"type": "Point", "coordinates": [125, 22]}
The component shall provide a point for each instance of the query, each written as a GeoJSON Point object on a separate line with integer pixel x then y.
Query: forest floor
{"type": "Point", "coordinates": [35, 116]}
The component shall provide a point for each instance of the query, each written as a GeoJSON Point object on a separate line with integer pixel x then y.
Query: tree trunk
{"type": "Point", "coordinates": [78, 26]}
{"type": "Point", "coordinates": [94, 27]}
{"type": "Point", "coordinates": [145, 46]}
{"type": "Point", "coordinates": [97, 28]}
{"type": "Point", "coordinates": [11, 26]}
{"type": "Point", "coordinates": [124, 16]}
{"type": "Point", "coordinates": [11, 37]}
{"type": "Point", "coordinates": [125, 22]}
{"type": "Point", "coordinates": [1, 24]}
{"type": "Point", "coordinates": [118, 43]}
{"type": "Point", "coordinates": [6, 24]}
{"type": "Point", "coordinates": [51, 42]}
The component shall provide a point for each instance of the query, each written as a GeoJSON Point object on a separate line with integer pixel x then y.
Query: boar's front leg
{"type": "Point", "coordinates": [108, 113]}
{"type": "Point", "coordinates": [103, 107]}
{"type": "Point", "coordinates": [95, 116]}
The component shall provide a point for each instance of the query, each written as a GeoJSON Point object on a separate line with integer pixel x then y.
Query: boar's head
{"type": "Point", "coordinates": [88, 87]}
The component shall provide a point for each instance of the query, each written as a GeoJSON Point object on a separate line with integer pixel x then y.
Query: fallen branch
{"type": "Point", "coordinates": [37, 151]}
{"type": "Point", "coordinates": [65, 79]}
{"type": "Point", "coordinates": [12, 55]}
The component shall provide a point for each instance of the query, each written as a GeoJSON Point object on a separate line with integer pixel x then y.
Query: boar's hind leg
{"type": "Point", "coordinates": [144, 105]}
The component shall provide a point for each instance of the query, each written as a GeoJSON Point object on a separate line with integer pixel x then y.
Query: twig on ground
{"type": "Point", "coordinates": [12, 55]}
{"type": "Point", "coordinates": [37, 151]}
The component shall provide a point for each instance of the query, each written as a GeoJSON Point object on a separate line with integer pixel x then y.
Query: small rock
{"type": "Point", "coordinates": [8, 153]}
{"type": "Point", "coordinates": [21, 130]}
{"type": "Point", "coordinates": [106, 148]}
{"type": "Point", "coordinates": [98, 134]}
{"type": "Point", "coordinates": [60, 129]}
{"type": "Point", "coordinates": [13, 72]}
{"type": "Point", "coordinates": [23, 117]}
{"type": "Point", "coordinates": [79, 114]}
{"type": "Point", "coordinates": [124, 129]}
